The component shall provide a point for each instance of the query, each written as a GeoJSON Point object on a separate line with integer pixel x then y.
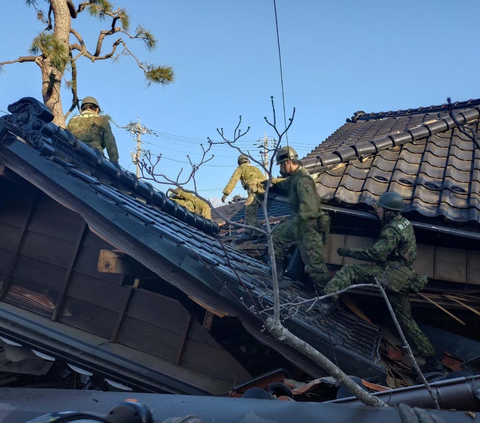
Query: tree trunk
{"type": "Point", "coordinates": [284, 335]}
{"type": "Point", "coordinates": [52, 77]}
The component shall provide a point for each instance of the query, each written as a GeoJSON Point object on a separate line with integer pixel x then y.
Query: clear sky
{"type": "Point", "coordinates": [338, 57]}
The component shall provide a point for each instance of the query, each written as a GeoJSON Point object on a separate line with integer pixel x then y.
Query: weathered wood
{"type": "Point", "coordinates": [218, 313]}
{"type": "Point", "coordinates": [55, 225]}
{"type": "Point", "coordinates": [46, 203]}
{"type": "Point", "coordinates": [117, 262]}
{"type": "Point", "coordinates": [86, 263]}
{"type": "Point", "coordinates": [68, 272]}
{"type": "Point", "coordinates": [13, 261]}
{"type": "Point", "coordinates": [207, 320]}
{"type": "Point", "coordinates": [47, 249]}
{"type": "Point", "coordinates": [121, 314]}
{"type": "Point", "coordinates": [183, 338]}
{"type": "Point", "coordinates": [31, 297]}
{"type": "Point", "coordinates": [9, 236]}
{"type": "Point", "coordinates": [88, 317]}
{"type": "Point", "coordinates": [96, 291]}
{"type": "Point", "coordinates": [36, 272]}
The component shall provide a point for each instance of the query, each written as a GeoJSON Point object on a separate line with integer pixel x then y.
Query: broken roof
{"type": "Point", "coordinates": [180, 247]}
{"type": "Point", "coordinates": [419, 153]}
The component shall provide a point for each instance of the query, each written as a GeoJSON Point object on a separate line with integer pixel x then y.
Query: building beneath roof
{"type": "Point", "coordinates": [101, 272]}
{"type": "Point", "coordinates": [422, 155]}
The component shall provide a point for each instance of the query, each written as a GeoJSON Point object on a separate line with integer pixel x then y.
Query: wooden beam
{"type": "Point", "coordinates": [208, 320]}
{"type": "Point", "coordinates": [114, 261]}
{"type": "Point", "coordinates": [441, 308]}
{"type": "Point", "coordinates": [68, 272]}
{"type": "Point", "coordinates": [218, 313]}
{"type": "Point", "coordinates": [16, 251]}
{"type": "Point", "coordinates": [183, 339]}
{"type": "Point", "coordinates": [121, 314]}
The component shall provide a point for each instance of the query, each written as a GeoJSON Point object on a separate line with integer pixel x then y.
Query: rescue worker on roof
{"type": "Point", "coordinates": [309, 227]}
{"type": "Point", "coordinates": [191, 202]}
{"type": "Point", "coordinates": [93, 129]}
{"type": "Point", "coordinates": [392, 256]}
{"type": "Point", "coordinates": [251, 178]}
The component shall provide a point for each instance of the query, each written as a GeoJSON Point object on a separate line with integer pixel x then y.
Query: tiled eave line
{"type": "Point", "coordinates": [360, 151]}
{"type": "Point", "coordinates": [30, 120]}
{"type": "Point", "coordinates": [360, 115]}
{"type": "Point", "coordinates": [366, 215]}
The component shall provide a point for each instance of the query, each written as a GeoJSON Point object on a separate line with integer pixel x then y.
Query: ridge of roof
{"type": "Point", "coordinates": [32, 120]}
{"type": "Point", "coordinates": [362, 150]}
{"type": "Point", "coordinates": [361, 115]}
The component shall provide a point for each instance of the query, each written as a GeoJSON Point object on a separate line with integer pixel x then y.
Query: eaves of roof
{"type": "Point", "coordinates": [422, 156]}
{"type": "Point", "coordinates": [183, 255]}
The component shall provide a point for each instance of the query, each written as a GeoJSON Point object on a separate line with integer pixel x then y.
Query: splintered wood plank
{"type": "Point", "coordinates": [31, 297]}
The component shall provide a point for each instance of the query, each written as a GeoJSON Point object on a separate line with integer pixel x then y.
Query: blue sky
{"type": "Point", "coordinates": [338, 57]}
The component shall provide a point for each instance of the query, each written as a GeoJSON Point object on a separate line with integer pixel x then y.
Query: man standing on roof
{"type": "Point", "coordinates": [309, 227]}
{"type": "Point", "coordinates": [93, 129]}
{"type": "Point", "coordinates": [191, 202]}
{"type": "Point", "coordinates": [251, 178]}
{"type": "Point", "coordinates": [393, 255]}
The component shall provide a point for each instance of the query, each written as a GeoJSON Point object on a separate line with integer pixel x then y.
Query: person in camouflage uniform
{"type": "Point", "coordinates": [251, 178]}
{"type": "Point", "coordinates": [192, 203]}
{"type": "Point", "coordinates": [93, 129]}
{"type": "Point", "coordinates": [393, 255]}
{"type": "Point", "coordinates": [309, 228]}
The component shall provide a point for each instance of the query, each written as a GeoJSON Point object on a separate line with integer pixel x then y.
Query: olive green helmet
{"type": "Point", "coordinates": [286, 153]}
{"type": "Point", "coordinates": [242, 159]}
{"type": "Point", "coordinates": [91, 100]}
{"type": "Point", "coordinates": [391, 201]}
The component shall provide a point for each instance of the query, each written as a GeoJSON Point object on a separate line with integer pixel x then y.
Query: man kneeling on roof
{"type": "Point", "coordinates": [393, 255]}
{"type": "Point", "coordinates": [191, 202]}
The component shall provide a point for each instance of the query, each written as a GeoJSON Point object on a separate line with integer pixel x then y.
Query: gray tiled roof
{"type": "Point", "coordinates": [154, 232]}
{"type": "Point", "coordinates": [418, 153]}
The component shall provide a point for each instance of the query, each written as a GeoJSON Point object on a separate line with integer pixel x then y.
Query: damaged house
{"type": "Point", "coordinates": [106, 283]}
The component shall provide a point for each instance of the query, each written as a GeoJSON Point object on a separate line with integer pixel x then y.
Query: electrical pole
{"type": "Point", "coordinates": [265, 144]}
{"type": "Point", "coordinates": [137, 130]}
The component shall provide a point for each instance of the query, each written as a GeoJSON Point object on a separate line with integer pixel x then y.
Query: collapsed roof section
{"type": "Point", "coordinates": [419, 153]}
{"type": "Point", "coordinates": [179, 247]}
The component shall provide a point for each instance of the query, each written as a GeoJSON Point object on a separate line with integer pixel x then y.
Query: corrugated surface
{"type": "Point", "coordinates": [437, 174]}
{"type": "Point", "coordinates": [199, 254]}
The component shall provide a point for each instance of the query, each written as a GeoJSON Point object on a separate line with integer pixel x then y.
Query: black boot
{"type": "Point", "coordinates": [329, 305]}
{"type": "Point", "coordinates": [432, 365]}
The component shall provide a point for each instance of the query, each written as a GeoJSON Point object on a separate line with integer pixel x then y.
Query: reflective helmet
{"type": "Point", "coordinates": [286, 153]}
{"type": "Point", "coordinates": [243, 159]}
{"type": "Point", "coordinates": [391, 201]}
{"type": "Point", "coordinates": [91, 100]}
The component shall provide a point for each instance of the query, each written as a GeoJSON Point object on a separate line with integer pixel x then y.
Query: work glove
{"type": "Point", "coordinates": [224, 198]}
{"type": "Point", "coordinates": [343, 252]}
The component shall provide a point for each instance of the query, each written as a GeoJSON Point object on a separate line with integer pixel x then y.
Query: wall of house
{"type": "Point", "coordinates": [48, 266]}
{"type": "Point", "coordinates": [441, 263]}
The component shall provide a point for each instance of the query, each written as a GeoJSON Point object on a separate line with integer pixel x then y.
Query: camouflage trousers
{"type": "Point", "coordinates": [397, 294]}
{"type": "Point", "coordinates": [309, 239]}
{"type": "Point", "coordinates": [254, 201]}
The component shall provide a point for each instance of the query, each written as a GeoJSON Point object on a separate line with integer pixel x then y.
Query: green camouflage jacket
{"type": "Point", "coordinates": [250, 176]}
{"type": "Point", "coordinates": [303, 196]}
{"type": "Point", "coordinates": [95, 131]}
{"type": "Point", "coordinates": [396, 244]}
{"type": "Point", "coordinates": [193, 204]}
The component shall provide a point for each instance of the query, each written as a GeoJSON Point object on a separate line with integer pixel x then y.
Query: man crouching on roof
{"type": "Point", "coordinates": [393, 255]}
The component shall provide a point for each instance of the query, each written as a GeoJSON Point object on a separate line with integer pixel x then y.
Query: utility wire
{"type": "Point", "coordinates": [281, 69]}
